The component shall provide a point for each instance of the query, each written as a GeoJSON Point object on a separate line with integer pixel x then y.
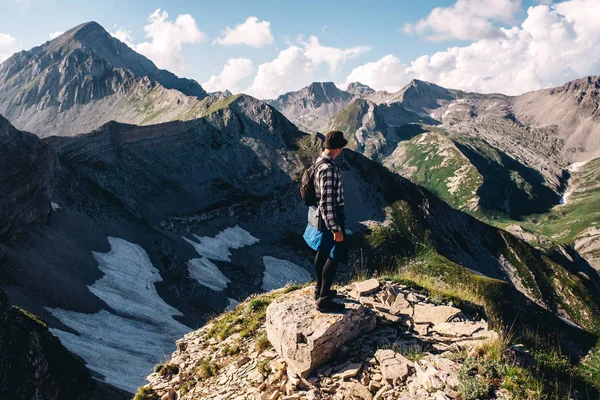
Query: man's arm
{"type": "Point", "coordinates": [327, 199]}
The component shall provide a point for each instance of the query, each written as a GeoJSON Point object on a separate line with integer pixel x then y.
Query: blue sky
{"type": "Point", "coordinates": [378, 25]}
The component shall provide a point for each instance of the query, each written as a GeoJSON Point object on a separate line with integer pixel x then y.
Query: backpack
{"type": "Point", "coordinates": [307, 188]}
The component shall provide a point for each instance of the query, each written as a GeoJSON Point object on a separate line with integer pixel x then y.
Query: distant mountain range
{"type": "Point", "coordinates": [143, 205]}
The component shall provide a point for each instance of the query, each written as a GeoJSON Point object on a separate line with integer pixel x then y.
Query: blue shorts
{"type": "Point", "coordinates": [322, 240]}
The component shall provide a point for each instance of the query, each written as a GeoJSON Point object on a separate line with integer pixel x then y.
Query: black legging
{"type": "Point", "coordinates": [325, 269]}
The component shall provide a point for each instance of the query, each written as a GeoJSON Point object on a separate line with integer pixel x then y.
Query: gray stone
{"type": "Point", "coordinates": [349, 371]}
{"type": "Point", "coordinates": [424, 313]}
{"type": "Point", "coordinates": [306, 338]}
{"type": "Point", "coordinates": [366, 287]}
{"type": "Point", "coordinates": [355, 391]}
{"type": "Point", "coordinates": [393, 366]}
{"type": "Point", "coordinates": [457, 329]}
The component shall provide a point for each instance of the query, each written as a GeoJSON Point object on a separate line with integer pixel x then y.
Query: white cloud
{"type": "Point", "coordinates": [388, 73]}
{"type": "Point", "coordinates": [125, 36]}
{"type": "Point", "coordinates": [8, 46]}
{"type": "Point", "coordinates": [251, 32]}
{"type": "Point", "coordinates": [54, 35]}
{"type": "Point", "coordinates": [233, 72]}
{"type": "Point", "coordinates": [332, 56]}
{"type": "Point", "coordinates": [296, 66]}
{"type": "Point", "coordinates": [553, 45]}
{"type": "Point", "coordinates": [166, 40]}
{"type": "Point", "coordinates": [291, 70]}
{"type": "Point", "coordinates": [466, 20]}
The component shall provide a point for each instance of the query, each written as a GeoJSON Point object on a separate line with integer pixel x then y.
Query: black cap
{"type": "Point", "coordinates": [335, 140]}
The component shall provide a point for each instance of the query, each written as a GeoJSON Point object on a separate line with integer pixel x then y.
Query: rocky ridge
{"type": "Point", "coordinates": [408, 352]}
{"type": "Point", "coordinates": [312, 106]}
{"type": "Point", "coordinates": [85, 78]}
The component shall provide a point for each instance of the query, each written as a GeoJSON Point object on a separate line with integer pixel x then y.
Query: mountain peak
{"type": "Point", "coordinates": [326, 88]}
{"type": "Point", "coordinates": [359, 88]}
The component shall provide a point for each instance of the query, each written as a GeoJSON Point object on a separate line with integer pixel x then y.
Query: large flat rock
{"type": "Point", "coordinates": [429, 313]}
{"type": "Point", "coordinates": [307, 338]}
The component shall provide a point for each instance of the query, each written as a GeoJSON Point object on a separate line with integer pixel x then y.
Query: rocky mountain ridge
{"type": "Point", "coordinates": [85, 78]}
{"type": "Point", "coordinates": [310, 107]}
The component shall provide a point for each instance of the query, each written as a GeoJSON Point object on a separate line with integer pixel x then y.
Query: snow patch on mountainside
{"type": "Point", "coordinates": [123, 347]}
{"type": "Point", "coordinates": [207, 274]}
{"type": "Point", "coordinates": [279, 272]}
{"type": "Point", "coordinates": [217, 248]}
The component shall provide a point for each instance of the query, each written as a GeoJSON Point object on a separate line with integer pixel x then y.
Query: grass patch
{"type": "Point", "coordinates": [262, 366]}
{"type": "Point", "coordinates": [206, 368]}
{"type": "Point", "coordinates": [145, 393]}
{"type": "Point", "coordinates": [589, 368]}
{"type": "Point", "coordinates": [262, 342]}
{"type": "Point", "coordinates": [247, 317]}
{"type": "Point", "coordinates": [31, 316]}
{"type": "Point", "coordinates": [166, 370]}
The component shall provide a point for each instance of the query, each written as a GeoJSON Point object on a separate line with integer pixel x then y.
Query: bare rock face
{"type": "Point", "coordinates": [306, 338]}
{"type": "Point", "coordinates": [26, 168]}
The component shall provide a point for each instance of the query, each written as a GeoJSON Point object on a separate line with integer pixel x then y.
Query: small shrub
{"type": "Point", "coordinates": [206, 369]}
{"type": "Point", "coordinates": [184, 388]}
{"type": "Point", "coordinates": [229, 350]}
{"type": "Point", "coordinates": [145, 393]}
{"type": "Point", "coordinates": [262, 342]}
{"type": "Point", "coordinates": [475, 376]}
{"type": "Point", "coordinates": [262, 366]}
{"type": "Point", "coordinates": [158, 367]}
{"type": "Point", "coordinates": [168, 370]}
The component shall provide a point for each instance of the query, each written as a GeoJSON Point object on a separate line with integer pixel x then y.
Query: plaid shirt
{"type": "Point", "coordinates": [328, 187]}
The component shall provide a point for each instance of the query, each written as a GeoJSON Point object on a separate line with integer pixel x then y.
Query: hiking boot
{"type": "Point", "coordinates": [326, 304]}
{"type": "Point", "coordinates": [332, 293]}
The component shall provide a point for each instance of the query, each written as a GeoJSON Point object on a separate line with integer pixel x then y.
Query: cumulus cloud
{"type": "Point", "coordinates": [296, 66]}
{"type": "Point", "coordinates": [332, 56]}
{"type": "Point", "coordinates": [166, 39]}
{"type": "Point", "coordinates": [233, 72]}
{"type": "Point", "coordinates": [466, 20]}
{"type": "Point", "coordinates": [8, 46]}
{"type": "Point", "coordinates": [54, 35]}
{"type": "Point", "coordinates": [125, 36]}
{"type": "Point", "coordinates": [388, 73]}
{"type": "Point", "coordinates": [291, 70]}
{"type": "Point", "coordinates": [252, 33]}
{"type": "Point", "coordinates": [553, 45]}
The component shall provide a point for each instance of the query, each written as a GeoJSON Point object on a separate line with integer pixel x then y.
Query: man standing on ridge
{"type": "Point", "coordinates": [326, 221]}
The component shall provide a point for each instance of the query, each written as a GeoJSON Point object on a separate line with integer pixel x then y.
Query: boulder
{"type": "Point", "coordinates": [458, 329]}
{"type": "Point", "coordinates": [306, 338]}
{"type": "Point", "coordinates": [401, 306]}
{"type": "Point", "coordinates": [393, 365]}
{"type": "Point", "coordinates": [355, 391]}
{"type": "Point", "coordinates": [350, 371]}
{"type": "Point", "coordinates": [366, 287]}
{"type": "Point", "coordinates": [424, 313]}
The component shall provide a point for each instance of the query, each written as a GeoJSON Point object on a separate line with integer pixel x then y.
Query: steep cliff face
{"type": "Point", "coordinates": [27, 166]}
{"type": "Point", "coordinates": [35, 365]}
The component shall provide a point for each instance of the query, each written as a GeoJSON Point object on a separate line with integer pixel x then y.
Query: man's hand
{"type": "Point", "coordinates": [338, 236]}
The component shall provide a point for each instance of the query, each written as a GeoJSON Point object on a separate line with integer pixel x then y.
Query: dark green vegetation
{"type": "Point", "coordinates": [470, 174]}
{"type": "Point", "coordinates": [567, 222]}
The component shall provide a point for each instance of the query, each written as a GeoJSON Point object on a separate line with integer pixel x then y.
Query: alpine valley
{"type": "Point", "coordinates": [136, 208]}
